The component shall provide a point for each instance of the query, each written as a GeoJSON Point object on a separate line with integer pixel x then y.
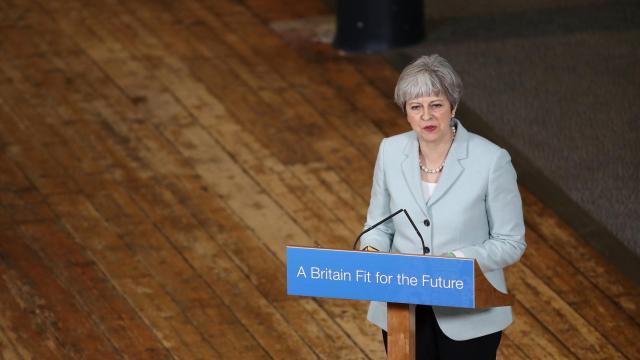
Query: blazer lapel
{"type": "Point", "coordinates": [453, 166]}
{"type": "Point", "coordinates": [411, 172]}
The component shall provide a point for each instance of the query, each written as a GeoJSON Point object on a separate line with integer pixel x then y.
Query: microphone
{"type": "Point", "coordinates": [424, 248]}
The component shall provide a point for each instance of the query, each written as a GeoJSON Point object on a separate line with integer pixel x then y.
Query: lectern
{"type": "Point", "coordinates": [401, 280]}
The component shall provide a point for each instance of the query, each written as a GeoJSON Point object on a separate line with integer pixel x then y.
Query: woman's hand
{"type": "Point", "coordinates": [370, 248]}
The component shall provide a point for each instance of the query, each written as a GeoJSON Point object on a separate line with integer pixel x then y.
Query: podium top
{"type": "Point", "coordinates": [390, 277]}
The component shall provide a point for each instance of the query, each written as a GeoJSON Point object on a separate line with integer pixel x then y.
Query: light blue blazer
{"type": "Point", "coordinates": [475, 210]}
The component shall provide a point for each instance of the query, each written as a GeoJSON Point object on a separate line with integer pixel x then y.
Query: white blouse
{"type": "Point", "coordinates": [427, 189]}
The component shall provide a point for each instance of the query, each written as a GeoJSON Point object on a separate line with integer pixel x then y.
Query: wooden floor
{"type": "Point", "coordinates": [158, 155]}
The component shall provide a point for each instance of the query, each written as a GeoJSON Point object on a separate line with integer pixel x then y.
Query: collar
{"type": "Point", "coordinates": [452, 169]}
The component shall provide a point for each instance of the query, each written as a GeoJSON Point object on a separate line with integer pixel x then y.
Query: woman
{"type": "Point", "coordinates": [462, 189]}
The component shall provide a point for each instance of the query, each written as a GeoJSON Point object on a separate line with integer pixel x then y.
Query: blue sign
{"type": "Point", "coordinates": [389, 277]}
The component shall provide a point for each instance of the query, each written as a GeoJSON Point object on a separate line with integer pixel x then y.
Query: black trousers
{"type": "Point", "coordinates": [433, 344]}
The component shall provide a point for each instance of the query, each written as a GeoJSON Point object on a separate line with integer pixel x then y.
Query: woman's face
{"type": "Point", "coordinates": [429, 117]}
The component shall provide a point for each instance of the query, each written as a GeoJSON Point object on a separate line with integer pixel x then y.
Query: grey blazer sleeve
{"type": "Point", "coordinates": [505, 244]}
{"type": "Point", "coordinates": [380, 237]}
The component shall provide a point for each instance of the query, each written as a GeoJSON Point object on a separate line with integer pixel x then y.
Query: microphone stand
{"type": "Point", "coordinates": [424, 248]}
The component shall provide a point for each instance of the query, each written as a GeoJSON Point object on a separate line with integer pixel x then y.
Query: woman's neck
{"type": "Point", "coordinates": [433, 154]}
{"type": "Point", "coordinates": [432, 157]}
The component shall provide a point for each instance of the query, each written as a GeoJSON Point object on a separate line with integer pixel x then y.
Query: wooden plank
{"type": "Point", "coordinates": [130, 276]}
{"type": "Point", "coordinates": [309, 78]}
{"type": "Point", "coordinates": [231, 234]}
{"type": "Point", "coordinates": [12, 40]}
{"type": "Point", "coordinates": [382, 76]}
{"type": "Point", "coordinates": [365, 81]}
{"type": "Point", "coordinates": [34, 287]}
{"type": "Point", "coordinates": [114, 204]}
{"type": "Point", "coordinates": [61, 150]}
{"type": "Point", "coordinates": [299, 203]}
{"type": "Point", "coordinates": [508, 350]}
{"type": "Point", "coordinates": [23, 328]}
{"type": "Point", "coordinates": [78, 273]}
{"type": "Point", "coordinates": [319, 329]}
{"type": "Point", "coordinates": [309, 320]}
{"type": "Point", "coordinates": [253, 310]}
{"type": "Point", "coordinates": [91, 157]}
{"type": "Point", "coordinates": [602, 313]}
{"type": "Point", "coordinates": [23, 206]}
{"type": "Point", "coordinates": [258, 160]}
{"type": "Point", "coordinates": [71, 165]}
{"type": "Point", "coordinates": [8, 350]}
{"type": "Point", "coordinates": [351, 316]}
{"type": "Point", "coordinates": [165, 163]}
{"type": "Point", "coordinates": [278, 10]}
{"type": "Point", "coordinates": [264, 89]}
{"type": "Point", "coordinates": [532, 336]}
{"type": "Point", "coordinates": [275, 240]}
{"type": "Point", "coordinates": [37, 167]}
{"type": "Point", "coordinates": [334, 193]}
{"type": "Point", "coordinates": [583, 340]}
{"type": "Point", "coordinates": [110, 143]}
{"type": "Point", "coordinates": [357, 89]}
{"type": "Point", "coordinates": [196, 298]}
{"type": "Point", "coordinates": [11, 178]}
{"type": "Point", "coordinates": [182, 79]}
{"type": "Point", "coordinates": [215, 174]}
{"type": "Point", "coordinates": [565, 241]}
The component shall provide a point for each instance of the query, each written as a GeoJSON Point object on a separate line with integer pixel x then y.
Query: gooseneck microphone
{"type": "Point", "coordinates": [424, 248]}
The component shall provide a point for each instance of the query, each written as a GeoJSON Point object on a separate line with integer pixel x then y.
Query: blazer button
{"type": "Point", "coordinates": [426, 222]}
{"type": "Point", "coordinates": [427, 250]}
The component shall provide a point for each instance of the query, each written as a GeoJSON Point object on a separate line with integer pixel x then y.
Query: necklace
{"type": "Point", "coordinates": [438, 169]}
{"type": "Point", "coordinates": [432, 171]}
